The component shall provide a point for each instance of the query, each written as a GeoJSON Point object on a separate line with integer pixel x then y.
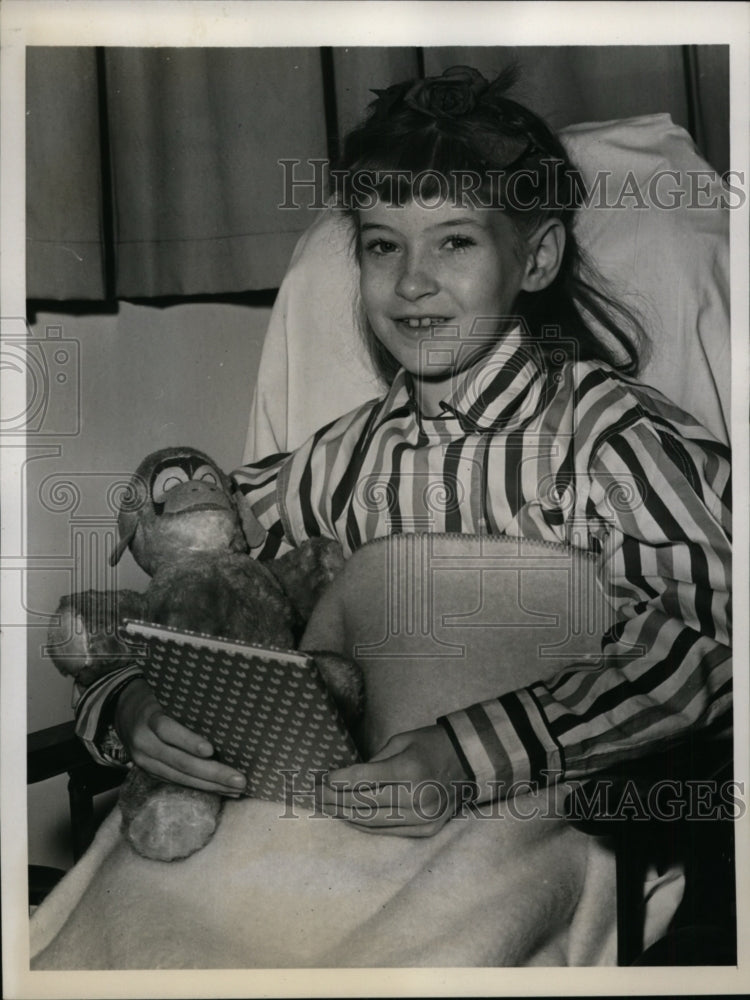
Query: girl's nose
{"type": "Point", "coordinates": [415, 280]}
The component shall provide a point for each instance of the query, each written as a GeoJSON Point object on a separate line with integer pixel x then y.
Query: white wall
{"type": "Point", "coordinates": [146, 378]}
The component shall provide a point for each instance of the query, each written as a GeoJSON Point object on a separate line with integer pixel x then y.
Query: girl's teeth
{"type": "Point", "coordinates": [425, 321]}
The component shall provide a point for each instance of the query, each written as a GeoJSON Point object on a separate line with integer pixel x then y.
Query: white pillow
{"type": "Point", "coordinates": [670, 264]}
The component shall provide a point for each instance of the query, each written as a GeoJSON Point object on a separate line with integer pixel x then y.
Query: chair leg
{"type": "Point", "coordinates": [81, 814]}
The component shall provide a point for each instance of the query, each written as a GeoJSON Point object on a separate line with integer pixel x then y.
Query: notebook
{"type": "Point", "coordinates": [266, 711]}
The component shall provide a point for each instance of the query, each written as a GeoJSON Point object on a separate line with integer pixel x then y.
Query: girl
{"type": "Point", "coordinates": [477, 308]}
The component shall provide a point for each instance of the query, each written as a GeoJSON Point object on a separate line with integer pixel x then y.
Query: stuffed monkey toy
{"type": "Point", "coordinates": [190, 530]}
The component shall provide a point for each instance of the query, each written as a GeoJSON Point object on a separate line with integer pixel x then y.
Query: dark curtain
{"type": "Point", "coordinates": [155, 172]}
{"type": "Point", "coordinates": [64, 200]}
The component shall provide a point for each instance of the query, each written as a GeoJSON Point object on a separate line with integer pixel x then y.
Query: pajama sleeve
{"type": "Point", "coordinates": [260, 485]}
{"type": "Point", "coordinates": [94, 714]}
{"type": "Point", "coordinates": [307, 493]}
{"type": "Point", "coordinates": [661, 508]}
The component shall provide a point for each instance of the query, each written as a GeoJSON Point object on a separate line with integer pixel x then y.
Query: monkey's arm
{"type": "Point", "coordinates": [86, 640]}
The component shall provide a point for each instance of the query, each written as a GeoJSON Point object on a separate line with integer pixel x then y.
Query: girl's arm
{"type": "Point", "coordinates": [666, 665]}
{"type": "Point", "coordinates": [665, 669]}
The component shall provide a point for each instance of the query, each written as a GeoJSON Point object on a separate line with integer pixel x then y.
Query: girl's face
{"type": "Point", "coordinates": [436, 272]}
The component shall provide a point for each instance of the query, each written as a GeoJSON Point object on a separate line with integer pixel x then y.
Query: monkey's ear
{"type": "Point", "coordinates": [125, 540]}
{"type": "Point", "coordinates": [252, 529]}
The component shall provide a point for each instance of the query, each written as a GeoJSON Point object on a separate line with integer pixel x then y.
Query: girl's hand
{"type": "Point", "coordinates": [410, 788]}
{"type": "Point", "coordinates": [166, 749]}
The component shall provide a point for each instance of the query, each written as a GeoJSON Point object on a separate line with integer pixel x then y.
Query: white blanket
{"type": "Point", "coordinates": [511, 885]}
{"type": "Point", "coordinates": [269, 892]}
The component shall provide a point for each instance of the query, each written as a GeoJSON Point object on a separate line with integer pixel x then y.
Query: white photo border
{"type": "Point", "coordinates": [245, 22]}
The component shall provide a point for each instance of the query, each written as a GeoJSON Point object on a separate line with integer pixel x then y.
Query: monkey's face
{"type": "Point", "coordinates": [185, 505]}
{"type": "Point", "coordinates": [179, 484]}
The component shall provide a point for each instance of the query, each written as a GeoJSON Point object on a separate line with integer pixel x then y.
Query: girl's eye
{"type": "Point", "coordinates": [458, 242]}
{"type": "Point", "coordinates": [380, 247]}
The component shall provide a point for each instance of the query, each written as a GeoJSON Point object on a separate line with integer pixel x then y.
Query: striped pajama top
{"type": "Point", "coordinates": [553, 450]}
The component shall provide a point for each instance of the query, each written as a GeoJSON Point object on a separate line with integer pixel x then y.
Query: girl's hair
{"type": "Point", "coordinates": [459, 136]}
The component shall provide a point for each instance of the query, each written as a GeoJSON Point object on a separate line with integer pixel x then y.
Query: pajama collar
{"type": "Point", "coordinates": [504, 389]}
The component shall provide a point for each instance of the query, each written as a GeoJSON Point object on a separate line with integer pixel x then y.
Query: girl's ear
{"type": "Point", "coordinates": [545, 254]}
